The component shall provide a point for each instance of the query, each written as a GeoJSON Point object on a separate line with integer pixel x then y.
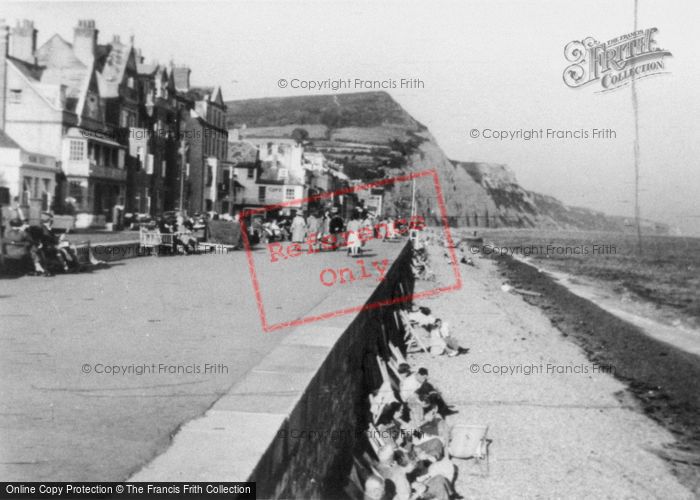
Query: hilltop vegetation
{"type": "Point", "coordinates": [373, 137]}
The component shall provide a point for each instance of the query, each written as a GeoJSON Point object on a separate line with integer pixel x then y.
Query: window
{"type": "Point", "coordinates": [140, 156]}
{"type": "Point", "coordinates": [208, 204]}
{"type": "Point", "coordinates": [162, 168]}
{"type": "Point", "coordinates": [77, 150]}
{"type": "Point", "coordinates": [210, 175]}
{"type": "Point", "coordinates": [289, 193]}
{"type": "Point", "coordinates": [149, 165]}
{"type": "Point", "coordinates": [76, 191]}
{"type": "Point", "coordinates": [15, 96]}
{"type": "Point", "coordinates": [269, 149]}
{"type": "Point", "coordinates": [130, 82]}
{"type": "Point", "coordinates": [187, 170]}
{"type": "Point", "coordinates": [261, 194]}
{"type": "Point", "coordinates": [251, 173]}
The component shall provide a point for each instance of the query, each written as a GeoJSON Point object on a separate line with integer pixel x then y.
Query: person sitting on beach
{"type": "Point", "coordinates": [394, 423]}
{"type": "Point", "coordinates": [428, 393]}
{"type": "Point", "coordinates": [442, 342]}
{"type": "Point", "coordinates": [374, 488]}
{"type": "Point", "coordinates": [421, 316]}
{"type": "Point", "coordinates": [420, 265]}
{"type": "Point", "coordinates": [408, 384]}
{"type": "Point", "coordinates": [439, 478]}
{"type": "Point", "coordinates": [396, 483]}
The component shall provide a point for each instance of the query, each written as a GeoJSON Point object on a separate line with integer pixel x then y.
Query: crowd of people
{"type": "Point", "coordinates": [319, 225]}
{"type": "Point", "coordinates": [410, 437]}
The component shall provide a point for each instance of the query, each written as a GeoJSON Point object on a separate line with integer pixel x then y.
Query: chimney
{"type": "Point", "coordinates": [23, 41]}
{"type": "Point", "coordinates": [85, 41]}
{"type": "Point", "coordinates": [3, 71]}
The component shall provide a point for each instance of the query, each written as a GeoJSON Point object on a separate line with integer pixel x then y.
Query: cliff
{"type": "Point", "coordinates": [373, 137]}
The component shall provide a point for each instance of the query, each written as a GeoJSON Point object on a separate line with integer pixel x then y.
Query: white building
{"type": "Point", "coordinates": [283, 154]}
{"type": "Point", "coordinates": [29, 176]}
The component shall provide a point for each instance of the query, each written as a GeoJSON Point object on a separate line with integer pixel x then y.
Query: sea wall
{"type": "Point", "coordinates": [291, 423]}
{"type": "Point", "coordinates": [310, 455]}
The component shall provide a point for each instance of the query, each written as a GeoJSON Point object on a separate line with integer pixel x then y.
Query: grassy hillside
{"type": "Point", "coordinates": [364, 109]}
{"type": "Point", "coordinates": [373, 137]}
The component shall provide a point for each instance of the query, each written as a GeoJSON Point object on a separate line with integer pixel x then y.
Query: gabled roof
{"type": "Point", "coordinates": [111, 66]}
{"type": "Point", "coordinates": [62, 67]}
{"type": "Point", "coordinates": [30, 71]}
{"type": "Point", "coordinates": [7, 142]}
{"type": "Point", "coordinates": [200, 93]}
{"type": "Point", "coordinates": [57, 52]}
{"type": "Point", "coordinates": [217, 97]}
{"type": "Point", "coordinates": [242, 153]}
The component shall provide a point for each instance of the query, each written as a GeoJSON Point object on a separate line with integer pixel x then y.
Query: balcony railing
{"type": "Point", "coordinates": [90, 168]}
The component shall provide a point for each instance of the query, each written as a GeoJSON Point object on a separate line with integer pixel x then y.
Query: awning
{"type": "Point", "coordinates": [237, 184]}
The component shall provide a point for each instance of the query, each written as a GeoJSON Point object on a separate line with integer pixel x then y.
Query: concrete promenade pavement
{"type": "Point", "coordinates": [185, 329]}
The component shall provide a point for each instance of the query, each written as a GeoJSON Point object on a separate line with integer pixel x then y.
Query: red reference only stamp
{"type": "Point", "coordinates": [308, 256]}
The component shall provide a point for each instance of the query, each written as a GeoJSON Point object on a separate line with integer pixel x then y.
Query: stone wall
{"type": "Point", "coordinates": [311, 454]}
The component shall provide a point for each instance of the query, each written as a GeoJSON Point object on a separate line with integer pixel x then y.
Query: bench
{"type": "Point", "coordinates": [153, 239]}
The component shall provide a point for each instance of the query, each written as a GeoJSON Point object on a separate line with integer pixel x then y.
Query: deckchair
{"type": "Point", "coordinates": [412, 338]}
{"type": "Point", "coordinates": [395, 360]}
{"type": "Point", "coordinates": [470, 441]}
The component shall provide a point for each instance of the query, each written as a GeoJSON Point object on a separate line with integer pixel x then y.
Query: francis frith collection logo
{"type": "Point", "coordinates": [614, 62]}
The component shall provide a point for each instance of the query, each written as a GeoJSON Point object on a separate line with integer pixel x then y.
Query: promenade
{"type": "Point", "coordinates": [98, 370]}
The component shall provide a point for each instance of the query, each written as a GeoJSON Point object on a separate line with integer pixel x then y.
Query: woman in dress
{"type": "Point", "coordinates": [298, 228]}
{"type": "Point", "coordinates": [353, 230]}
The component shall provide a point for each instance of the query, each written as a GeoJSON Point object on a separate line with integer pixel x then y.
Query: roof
{"type": "Point", "coordinates": [242, 153]}
{"type": "Point", "coordinates": [270, 174]}
{"type": "Point", "coordinates": [113, 69]}
{"type": "Point", "coordinates": [62, 67]}
{"type": "Point", "coordinates": [146, 69]}
{"type": "Point", "coordinates": [200, 93]}
{"type": "Point", "coordinates": [7, 142]}
{"type": "Point", "coordinates": [31, 71]}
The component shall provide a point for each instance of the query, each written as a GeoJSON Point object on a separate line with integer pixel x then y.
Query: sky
{"type": "Point", "coordinates": [489, 64]}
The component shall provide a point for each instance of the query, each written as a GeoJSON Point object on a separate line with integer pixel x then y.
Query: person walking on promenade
{"type": "Point", "coordinates": [336, 224]}
{"type": "Point", "coordinates": [314, 228]}
{"type": "Point", "coordinates": [326, 224]}
{"type": "Point", "coordinates": [298, 228]}
{"type": "Point", "coordinates": [354, 242]}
